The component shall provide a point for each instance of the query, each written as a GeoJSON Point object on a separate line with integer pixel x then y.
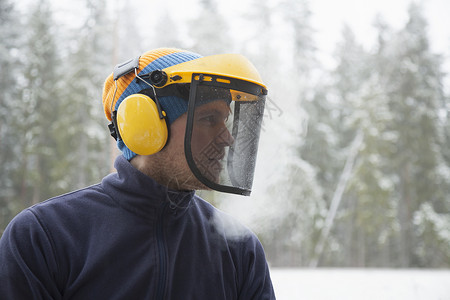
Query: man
{"type": "Point", "coordinates": [183, 122]}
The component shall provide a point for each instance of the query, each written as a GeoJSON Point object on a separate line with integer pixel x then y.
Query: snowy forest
{"type": "Point", "coordinates": [353, 168]}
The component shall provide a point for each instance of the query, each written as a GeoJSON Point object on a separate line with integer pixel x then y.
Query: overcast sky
{"type": "Point", "coordinates": [328, 18]}
{"type": "Point", "coordinates": [330, 15]}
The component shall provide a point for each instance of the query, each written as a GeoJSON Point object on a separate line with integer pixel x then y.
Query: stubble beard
{"type": "Point", "coordinates": [172, 170]}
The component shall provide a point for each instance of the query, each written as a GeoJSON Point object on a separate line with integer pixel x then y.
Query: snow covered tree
{"type": "Point", "coordinates": [169, 34]}
{"type": "Point", "coordinates": [86, 67]}
{"type": "Point", "coordinates": [365, 215]}
{"type": "Point", "coordinates": [333, 142]}
{"type": "Point", "coordinates": [9, 107]}
{"type": "Point", "coordinates": [209, 31]}
{"type": "Point", "coordinates": [395, 202]}
{"type": "Point", "coordinates": [127, 41]}
{"type": "Point", "coordinates": [294, 200]}
{"type": "Point", "coordinates": [413, 83]}
{"type": "Point", "coordinates": [39, 105]}
{"type": "Point", "coordinates": [393, 210]}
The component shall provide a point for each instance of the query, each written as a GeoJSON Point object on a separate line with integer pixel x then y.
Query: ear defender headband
{"type": "Point", "coordinates": [139, 121]}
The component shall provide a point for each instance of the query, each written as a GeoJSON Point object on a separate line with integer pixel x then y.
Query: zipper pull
{"type": "Point", "coordinates": [173, 207]}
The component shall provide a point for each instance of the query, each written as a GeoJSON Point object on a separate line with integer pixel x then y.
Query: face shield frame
{"type": "Point", "coordinates": [253, 94]}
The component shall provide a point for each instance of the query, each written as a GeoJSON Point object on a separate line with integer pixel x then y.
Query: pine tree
{"type": "Point", "coordinates": [295, 197]}
{"type": "Point", "coordinates": [365, 216]}
{"type": "Point", "coordinates": [10, 65]}
{"type": "Point", "coordinates": [414, 89]}
{"type": "Point", "coordinates": [393, 211]}
{"type": "Point", "coordinates": [169, 35]}
{"type": "Point", "coordinates": [127, 39]}
{"type": "Point", "coordinates": [333, 143]}
{"type": "Point", "coordinates": [39, 107]}
{"type": "Point", "coordinates": [394, 205]}
{"type": "Point", "coordinates": [209, 31]}
{"type": "Point", "coordinates": [86, 146]}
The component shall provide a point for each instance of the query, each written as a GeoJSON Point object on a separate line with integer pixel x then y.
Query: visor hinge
{"type": "Point", "coordinates": [156, 78]}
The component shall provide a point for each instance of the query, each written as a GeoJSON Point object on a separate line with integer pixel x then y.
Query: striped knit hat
{"type": "Point", "coordinates": [126, 85]}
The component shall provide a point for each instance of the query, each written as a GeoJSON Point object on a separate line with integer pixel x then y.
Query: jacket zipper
{"type": "Point", "coordinates": [162, 254]}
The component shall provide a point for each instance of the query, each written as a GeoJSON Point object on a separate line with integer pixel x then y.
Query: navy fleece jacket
{"type": "Point", "coordinates": [130, 238]}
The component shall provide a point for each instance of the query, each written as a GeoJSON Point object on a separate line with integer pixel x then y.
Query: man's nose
{"type": "Point", "coordinates": [224, 138]}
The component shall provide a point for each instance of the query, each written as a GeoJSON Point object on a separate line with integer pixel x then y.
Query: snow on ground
{"type": "Point", "coordinates": [367, 284]}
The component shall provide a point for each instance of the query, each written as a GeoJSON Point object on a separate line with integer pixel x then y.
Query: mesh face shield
{"type": "Point", "coordinates": [222, 131]}
{"type": "Point", "coordinates": [226, 105]}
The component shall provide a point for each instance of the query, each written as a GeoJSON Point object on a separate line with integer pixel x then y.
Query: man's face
{"type": "Point", "coordinates": [210, 137]}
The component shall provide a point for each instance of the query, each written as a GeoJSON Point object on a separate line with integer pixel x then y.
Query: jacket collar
{"type": "Point", "coordinates": [140, 194]}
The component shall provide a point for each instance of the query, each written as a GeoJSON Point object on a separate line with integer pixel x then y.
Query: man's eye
{"type": "Point", "coordinates": [209, 120]}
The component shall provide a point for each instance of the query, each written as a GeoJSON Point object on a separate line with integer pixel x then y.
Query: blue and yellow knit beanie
{"type": "Point", "coordinates": [126, 85]}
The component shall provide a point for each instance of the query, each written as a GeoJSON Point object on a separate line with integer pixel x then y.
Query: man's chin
{"type": "Point", "coordinates": [187, 184]}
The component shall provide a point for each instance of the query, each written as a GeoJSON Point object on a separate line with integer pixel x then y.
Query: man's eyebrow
{"type": "Point", "coordinates": [216, 111]}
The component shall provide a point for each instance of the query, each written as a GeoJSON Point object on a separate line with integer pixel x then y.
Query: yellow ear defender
{"type": "Point", "coordinates": [140, 126]}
